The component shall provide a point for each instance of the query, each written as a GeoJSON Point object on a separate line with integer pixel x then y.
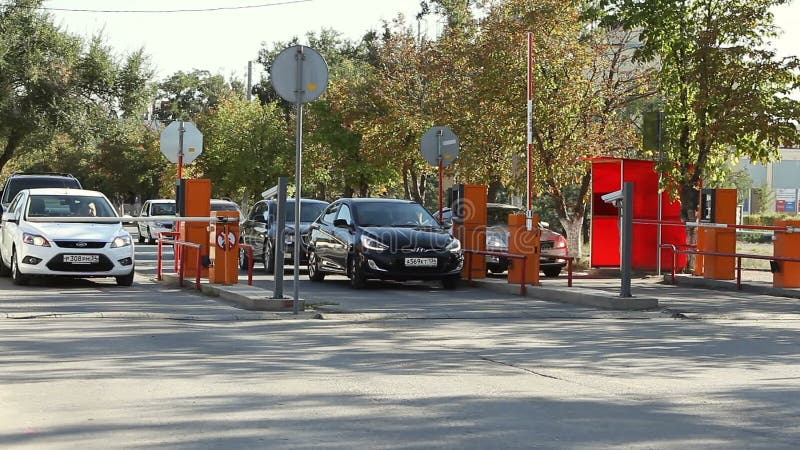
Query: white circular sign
{"type": "Point", "coordinates": [192, 141]}
{"type": "Point", "coordinates": [310, 65]}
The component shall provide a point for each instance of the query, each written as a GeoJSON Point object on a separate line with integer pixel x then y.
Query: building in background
{"type": "Point", "coordinates": [780, 180]}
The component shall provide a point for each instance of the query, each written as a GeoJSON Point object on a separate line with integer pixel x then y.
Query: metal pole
{"type": "Point", "coordinates": [441, 170]}
{"type": "Point", "coordinates": [298, 177]}
{"type": "Point", "coordinates": [627, 238]}
{"type": "Point", "coordinates": [249, 92]}
{"type": "Point", "coordinates": [529, 151]}
{"type": "Point", "coordinates": [181, 130]}
{"type": "Point", "coordinates": [280, 217]}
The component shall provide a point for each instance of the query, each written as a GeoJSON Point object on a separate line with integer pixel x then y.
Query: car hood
{"type": "Point", "coordinates": [410, 238]}
{"type": "Point", "coordinates": [95, 232]}
{"type": "Point", "coordinates": [501, 233]}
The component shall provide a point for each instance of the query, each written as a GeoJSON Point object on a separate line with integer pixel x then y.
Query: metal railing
{"type": "Point", "coordinates": [738, 256]}
{"type": "Point", "coordinates": [179, 247]}
{"type": "Point", "coordinates": [523, 284]}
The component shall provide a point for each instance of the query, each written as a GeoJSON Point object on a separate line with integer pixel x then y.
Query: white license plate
{"type": "Point", "coordinates": [421, 262]}
{"type": "Point", "coordinates": [81, 259]}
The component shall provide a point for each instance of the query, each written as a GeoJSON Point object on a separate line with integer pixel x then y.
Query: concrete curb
{"type": "Point", "coordinates": [577, 296]}
{"type": "Point", "coordinates": [730, 285]}
{"type": "Point", "coordinates": [242, 296]}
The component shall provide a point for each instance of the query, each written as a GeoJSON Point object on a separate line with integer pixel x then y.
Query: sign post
{"type": "Point", "coordinates": [181, 142]}
{"type": "Point", "coordinates": [298, 74]}
{"type": "Point", "coordinates": [439, 146]}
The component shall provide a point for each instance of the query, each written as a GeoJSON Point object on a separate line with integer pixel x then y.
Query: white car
{"type": "Point", "coordinates": [51, 232]}
{"type": "Point", "coordinates": [148, 231]}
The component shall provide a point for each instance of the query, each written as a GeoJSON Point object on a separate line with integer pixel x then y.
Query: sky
{"type": "Point", "coordinates": [223, 41]}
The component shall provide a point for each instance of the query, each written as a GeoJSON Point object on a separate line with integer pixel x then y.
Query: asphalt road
{"type": "Point", "coordinates": [86, 364]}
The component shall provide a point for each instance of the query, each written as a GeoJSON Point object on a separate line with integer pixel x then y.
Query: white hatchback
{"type": "Point", "coordinates": [64, 232]}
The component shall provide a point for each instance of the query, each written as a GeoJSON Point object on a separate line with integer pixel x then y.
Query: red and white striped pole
{"type": "Point", "coordinates": [529, 221]}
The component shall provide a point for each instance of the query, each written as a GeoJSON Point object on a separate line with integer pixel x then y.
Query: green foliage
{"type": "Point", "coordinates": [765, 219]}
{"type": "Point", "coordinates": [185, 95]}
{"type": "Point", "coordinates": [725, 92]}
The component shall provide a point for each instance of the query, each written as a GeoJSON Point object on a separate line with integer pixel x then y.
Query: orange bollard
{"type": "Point", "coordinates": [223, 247]}
{"type": "Point", "coordinates": [524, 242]}
{"type": "Point", "coordinates": [786, 245]}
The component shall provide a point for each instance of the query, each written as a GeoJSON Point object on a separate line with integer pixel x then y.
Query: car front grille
{"type": "Point", "coordinates": [80, 244]}
{"type": "Point", "coordinates": [57, 264]}
{"type": "Point", "coordinates": [547, 245]}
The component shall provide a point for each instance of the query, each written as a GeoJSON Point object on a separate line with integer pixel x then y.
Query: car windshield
{"type": "Point", "coordinates": [224, 207]}
{"type": "Point", "coordinates": [69, 206]}
{"type": "Point", "coordinates": [17, 184]}
{"type": "Point", "coordinates": [499, 216]}
{"type": "Point", "coordinates": [162, 209]}
{"type": "Point", "coordinates": [308, 211]}
{"type": "Point", "coordinates": [379, 214]}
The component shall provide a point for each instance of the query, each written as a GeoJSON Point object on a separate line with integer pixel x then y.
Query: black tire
{"type": "Point", "coordinates": [450, 283]}
{"type": "Point", "coordinates": [141, 236]}
{"type": "Point", "coordinates": [315, 273]}
{"type": "Point", "coordinates": [150, 239]}
{"type": "Point", "coordinates": [244, 262]}
{"type": "Point", "coordinates": [551, 272]}
{"type": "Point", "coordinates": [19, 278]}
{"type": "Point", "coordinates": [269, 258]}
{"type": "Point", "coordinates": [125, 280]}
{"type": "Point", "coordinates": [358, 279]}
{"type": "Point", "coordinates": [5, 271]}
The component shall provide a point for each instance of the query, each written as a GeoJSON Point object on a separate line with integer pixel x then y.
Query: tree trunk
{"type": "Point", "coordinates": [574, 230]}
{"type": "Point", "coordinates": [11, 146]}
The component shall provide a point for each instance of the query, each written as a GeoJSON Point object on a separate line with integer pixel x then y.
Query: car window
{"type": "Point", "coordinates": [143, 212]}
{"type": "Point", "coordinates": [17, 184]}
{"type": "Point", "coordinates": [309, 211]}
{"type": "Point", "coordinates": [330, 214]}
{"type": "Point", "coordinates": [54, 205]}
{"type": "Point", "coordinates": [499, 216]}
{"type": "Point", "coordinates": [162, 209]}
{"type": "Point", "coordinates": [15, 203]}
{"type": "Point", "coordinates": [344, 213]}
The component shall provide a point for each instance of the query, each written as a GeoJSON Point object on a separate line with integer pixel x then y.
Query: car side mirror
{"type": "Point", "coordinates": [545, 224]}
{"type": "Point", "coordinates": [10, 217]}
{"type": "Point", "coordinates": [341, 223]}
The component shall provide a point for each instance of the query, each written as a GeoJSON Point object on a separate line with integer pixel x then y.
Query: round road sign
{"type": "Point", "coordinates": [439, 141]}
{"type": "Point", "coordinates": [312, 68]}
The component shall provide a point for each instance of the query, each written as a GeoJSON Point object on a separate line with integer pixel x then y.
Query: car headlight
{"type": "Point", "coordinates": [288, 238]}
{"type": "Point", "coordinates": [35, 239]}
{"type": "Point", "coordinates": [373, 244]}
{"type": "Point", "coordinates": [495, 241]}
{"type": "Point", "coordinates": [121, 241]}
{"type": "Point", "coordinates": [454, 246]}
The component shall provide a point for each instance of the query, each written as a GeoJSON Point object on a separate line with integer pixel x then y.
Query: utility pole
{"type": "Point", "coordinates": [249, 94]}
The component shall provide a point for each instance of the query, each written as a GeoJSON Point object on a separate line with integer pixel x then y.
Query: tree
{"type": "Point", "coordinates": [52, 82]}
{"type": "Point", "coordinates": [726, 94]}
{"type": "Point", "coordinates": [185, 95]}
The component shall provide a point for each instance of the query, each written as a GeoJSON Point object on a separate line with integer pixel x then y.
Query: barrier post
{"type": "Point", "coordinates": [786, 274]}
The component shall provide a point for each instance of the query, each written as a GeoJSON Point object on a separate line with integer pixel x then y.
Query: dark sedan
{"type": "Point", "coordinates": [260, 230]}
{"type": "Point", "coordinates": [384, 239]}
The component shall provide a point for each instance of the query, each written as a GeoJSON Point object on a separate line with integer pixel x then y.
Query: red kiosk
{"type": "Point", "coordinates": [608, 175]}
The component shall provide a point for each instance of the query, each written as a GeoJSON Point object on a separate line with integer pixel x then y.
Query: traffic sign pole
{"type": "Point", "coordinates": [298, 173]}
{"type": "Point", "coordinates": [181, 130]}
{"type": "Point", "coordinates": [441, 171]}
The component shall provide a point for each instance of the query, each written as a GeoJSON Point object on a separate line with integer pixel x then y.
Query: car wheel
{"type": "Point", "coordinates": [358, 279]}
{"type": "Point", "coordinates": [4, 270]}
{"type": "Point", "coordinates": [314, 272]}
{"type": "Point", "coordinates": [141, 236]}
{"type": "Point", "coordinates": [150, 239]}
{"type": "Point", "coordinates": [125, 280]}
{"type": "Point", "coordinates": [269, 258]}
{"type": "Point", "coordinates": [19, 278]}
{"type": "Point", "coordinates": [450, 282]}
{"type": "Point", "coordinates": [244, 263]}
{"type": "Point", "coordinates": [551, 272]}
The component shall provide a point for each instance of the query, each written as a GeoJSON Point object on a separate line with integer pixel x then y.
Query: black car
{"type": "Point", "coordinates": [387, 239]}
{"type": "Point", "coordinates": [260, 227]}
{"type": "Point", "coordinates": [19, 181]}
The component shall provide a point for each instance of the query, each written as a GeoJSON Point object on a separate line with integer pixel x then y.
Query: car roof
{"type": "Point", "coordinates": [64, 191]}
{"type": "Point", "coordinates": [162, 200]}
{"type": "Point", "coordinates": [302, 200]}
{"type": "Point", "coordinates": [501, 206]}
{"type": "Point", "coordinates": [357, 200]}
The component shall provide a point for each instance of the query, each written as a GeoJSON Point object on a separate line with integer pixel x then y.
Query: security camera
{"type": "Point", "coordinates": [613, 197]}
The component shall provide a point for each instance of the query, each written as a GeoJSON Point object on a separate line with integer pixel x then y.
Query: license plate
{"type": "Point", "coordinates": [421, 262]}
{"type": "Point", "coordinates": [81, 259]}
